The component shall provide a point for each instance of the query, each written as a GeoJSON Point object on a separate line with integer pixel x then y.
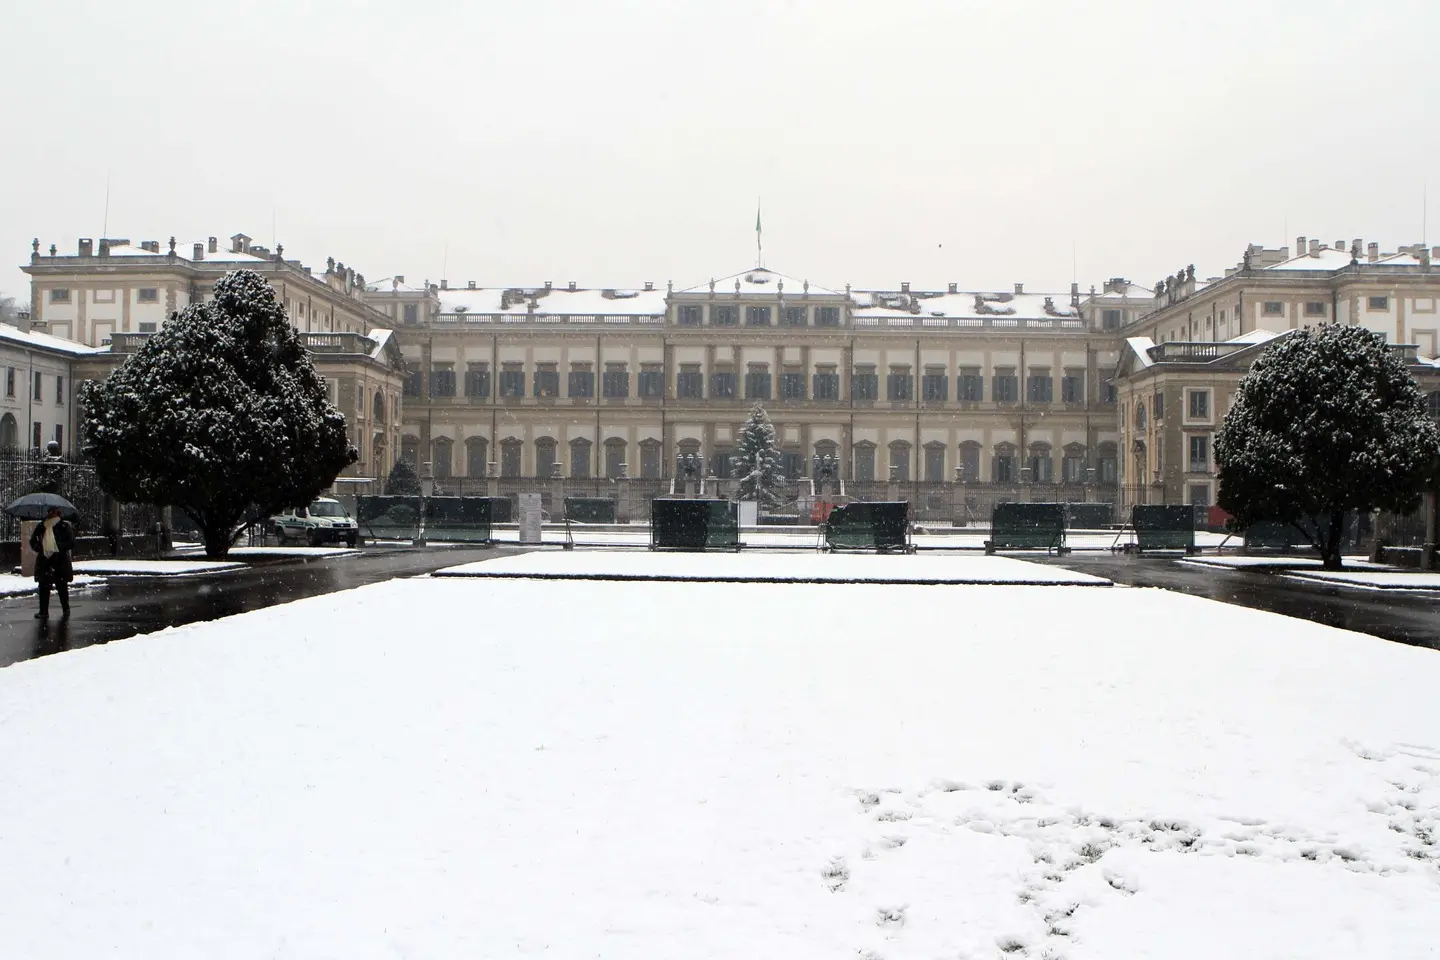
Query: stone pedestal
{"type": "Point", "coordinates": [623, 506]}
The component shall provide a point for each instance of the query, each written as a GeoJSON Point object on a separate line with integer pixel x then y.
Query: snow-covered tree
{"type": "Point", "coordinates": [756, 460]}
{"type": "Point", "coordinates": [402, 482]}
{"type": "Point", "coordinates": [219, 412]}
{"type": "Point", "coordinates": [1327, 421]}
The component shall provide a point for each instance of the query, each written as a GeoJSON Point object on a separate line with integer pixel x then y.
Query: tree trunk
{"type": "Point", "coordinates": [217, 540]}
{"type": "Point", "coordinates": [1330, 537]}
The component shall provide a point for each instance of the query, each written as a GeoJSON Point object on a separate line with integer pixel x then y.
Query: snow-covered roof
{"type": "Point", "coordinates": [1132, 291]}
{"type": "Point", "coordinates": [1022, 306]}
{"type": "Point", "coordinates": [43, 341]}
{"type": "Point", "coordinates": [759, 280]}
{"type": "Point", "coordinates": [185, 251]}
{"type": "Point", "coordinates": [385, 286]}
{"type": "Point", "coordinates": [1327, 258]}
{"type": "Point", "coordinates": [1140, 348]}
{"type": "Point", "coordinates": [1254, 336]}
{"type": "Point", "coordinates": [382, 337]}
{"type": "Point", "coordinates": [556, 302]}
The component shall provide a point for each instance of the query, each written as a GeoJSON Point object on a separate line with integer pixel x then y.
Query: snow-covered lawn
{"type": "Point", "coordinates": [1386, 580]}
{"type": "Point", "coordinates": [773, 567]}
{"type": "Point", "coordinates": [14, 585]}
{"type": "Point", "coordinates": [452, 767]}
{"type": "Point", "coordinates": [153, 568]}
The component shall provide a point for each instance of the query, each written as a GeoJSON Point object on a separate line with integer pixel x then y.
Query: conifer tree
{"type": "Point", "coordinates": [756, 460]}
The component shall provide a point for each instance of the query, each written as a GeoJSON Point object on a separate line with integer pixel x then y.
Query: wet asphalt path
{"type": "Point", "coordinates": [125, 606]}
{"type": "Point", "coordinates": [1405, 617]}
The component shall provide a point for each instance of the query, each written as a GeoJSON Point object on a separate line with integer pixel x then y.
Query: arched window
{"type": "Point", "coordinates": [545, 460]}
{"type": "Point", "coordinates": [9, 432]}
{"type": "Point", "coordinates": [970, 461]}
{"type": "Point", "coordinates": [650, 459]}
{"type": "Point", "coordinates": [1139, 416]}
{"type": "Point", "coordinates": [900, 460]}
{"type": "Point", "coordinates": [1072, 468]}
{"type": "Point", "coordinates": [934, 462]}
{"type": "Point", "coordinates": [1002, 464]}
{"type": "Point", "coordinates": [510, 450]}
{"type": "Point", "coordinates": [580, 458]}
{"type": "Point", "coordinates": [826, 449]}
{"type": "Point", "coordinates": [477, 456]}
{"type": "Point", "coordinates": [442, 457]}
{"type": "Point", "coordinates": [1042, 465]}
{"type": "Point", "coordinates": [862, 469]}
{"type": "Point", "coordinates": [615, 463]}
{"type": "Point", "coordinates": [379, 408]}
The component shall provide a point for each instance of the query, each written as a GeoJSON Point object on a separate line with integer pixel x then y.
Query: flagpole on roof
{"type": "Point", "coordinates": [759, 250]}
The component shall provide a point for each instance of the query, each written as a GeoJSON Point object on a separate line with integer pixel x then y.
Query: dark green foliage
{"type": "Point", "coordinates": [1327, 421]}
{"type": "Point", "coordinates": [219, 412]}
{"type": "Point", "coordinates": [402, 481]}
{"type": "Point", "coordinates": [756, 460]}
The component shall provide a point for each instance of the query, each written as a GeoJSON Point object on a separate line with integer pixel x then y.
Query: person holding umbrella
{"type": "Point", "coordinates": [52, 542]}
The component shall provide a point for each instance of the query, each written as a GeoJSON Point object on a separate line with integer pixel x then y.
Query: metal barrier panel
{"type": "Point", "coordinates": [1163, 526]}
{"type": "Point", "coordinates": [458, 519]}
{"type": "Point", "coordinates": [388, 517]}
{"type": "Point", "coordinates": [677, 524]}
{"type": "Point", "coordinates": [1027, 526]}
{"type": "Point", "coordinates": [882, 526]}
{"type": "Point", "coordinates": [590, 509]}
{"type": "Point", "coordinates": [1089, 516]}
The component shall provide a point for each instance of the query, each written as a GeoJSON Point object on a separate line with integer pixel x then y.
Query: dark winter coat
{"type": "Point", "coordinates": [56, 569]}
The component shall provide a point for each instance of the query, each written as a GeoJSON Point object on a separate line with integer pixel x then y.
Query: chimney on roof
{"type": "Point", "coordinates": [904, 286]}
{"type": "Point", "coordinates": [87, 248]}
{"type": "Point", "coordinates": [1339, 245]}
{"type": "Point", "coordinates": [572, 285]}
{"type": "Point", "coordinates": [212, 245]}
{"type": "Point", "coordinates": [239, 243]}
{"type": "Point", "coordinates": [1314, 248]}
{"type": "Point", "coordinates": [1372, 252]}
{"type": "Point", "coordinates": [952, 288]}
{"type": "Point", "coordinates": [472, 285]}
{"type": "Point", "coordinates": [199, 252]}
{"type": "Point", "coordinates": [1300, 246]}
{"type": "Point", "coordinates": [1019, 289]}
{"type": "Point", "coordinates": [444, 284]}
{"type": "Point", "coordinates": [1074, 293]}
{"type": "Point", "coordinates": [649, 285]}
{"type": "Point", "coordinates": [104, 247]}
{"type": "Point", "coordinates": [549, 285]}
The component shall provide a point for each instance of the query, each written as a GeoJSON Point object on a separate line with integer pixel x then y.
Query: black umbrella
{"type": "Point", "coordinates": [36, 506]}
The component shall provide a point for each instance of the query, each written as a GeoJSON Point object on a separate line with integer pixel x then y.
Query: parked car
{"type": "Point", "coordinates": [324, 521]}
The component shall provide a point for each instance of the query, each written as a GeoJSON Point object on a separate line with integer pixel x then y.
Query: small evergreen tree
{"type": "Point", "coordinates": [219, 412]}
{"type": "Point", "coordinates": [1328, 421]}
{"type": "Point", "coordinates": [756, 460]}
{"type": "Point", "coordinates": [402, 481]}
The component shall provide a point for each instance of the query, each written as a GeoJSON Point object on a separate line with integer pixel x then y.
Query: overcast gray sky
{"type": "Point", "coordinates": [612, 143]}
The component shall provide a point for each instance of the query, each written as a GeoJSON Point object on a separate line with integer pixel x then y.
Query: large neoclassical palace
{"type": "Point", "coordinates": [1110, 395]}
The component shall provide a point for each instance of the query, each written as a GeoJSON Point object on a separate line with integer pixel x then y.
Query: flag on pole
{"type": "Point", "coordinates": [758, 249]}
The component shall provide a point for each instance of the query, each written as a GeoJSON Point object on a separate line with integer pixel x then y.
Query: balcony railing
{"type": "Point", "coordinates": [550, 319]}
{"type": "Point", "coordinates": [918, 322]}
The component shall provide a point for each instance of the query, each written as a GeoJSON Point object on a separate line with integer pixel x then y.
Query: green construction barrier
{"type": "Point", "coordinates": [388, 518]}
{"type": "Point", "coordinates": [1089, 516]}
{"type": "Point", "coordinates": [1164, 526]}
{"type": "Point", "coordinates": [880, 526]}
{"type": "Point", "coordinates": [458, 519]}
{"type": "Point", "coordinates": [683, 524]}
{"type": "Point", "coordinates": [590, 509]}
{"type": "Point", "coordinates": [1027, 526]}
{"type": "Point", "coordinates": [1272, 535]}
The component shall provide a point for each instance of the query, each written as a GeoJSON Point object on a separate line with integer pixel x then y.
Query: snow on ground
{"type": "Point", "coordinates": [448, 767]}
{"type": "Point", "coordinates": [1387, 580]}
{"type": "Point", "coordinates": [1280, 561]}
{"type": "Point", "coordinates": [152, 568]}
{"type": "Point", "coordinates": [14, 585]}
{"type": "Point", "coordinates": [773, 567]}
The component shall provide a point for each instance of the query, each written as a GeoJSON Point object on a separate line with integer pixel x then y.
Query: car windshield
{"type": "Point", "coordinates": [322, 509]}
